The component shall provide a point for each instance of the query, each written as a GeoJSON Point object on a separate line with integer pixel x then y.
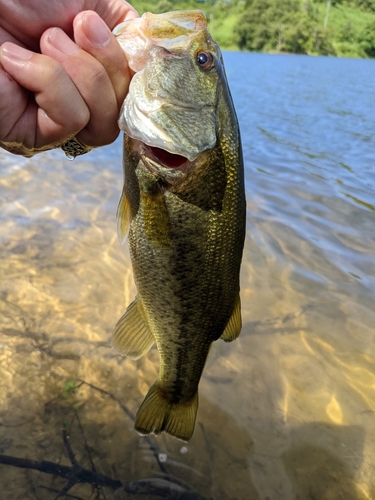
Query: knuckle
{"type": "Point", "coordinates": [79, 118]}
{"type": "Point", "coordinates": [10, 111]}
{"type": "Point", "coordinates": [109, 138]}
{"type": "Point", "coordinates": [99, 77]}
{"type": "Point", "coordinates": [97, 137]}
{"type": "Point", "coordinates": [53, 71]}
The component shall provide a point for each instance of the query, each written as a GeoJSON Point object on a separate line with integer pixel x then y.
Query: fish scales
{"type": "Point", "coordinates": [185, 222]}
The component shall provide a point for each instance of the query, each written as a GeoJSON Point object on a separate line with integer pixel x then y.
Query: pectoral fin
{"type": "Point", "coordinates": [123, 217]}
{"type": "Point", "coordinates": [234, 325]}
{"type": "Point", "coordinates": [132, 336]}
{"type": "Point", "coordinates": [156, 217]}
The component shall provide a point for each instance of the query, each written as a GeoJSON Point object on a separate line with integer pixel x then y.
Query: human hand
{"type": "Point", "coordinates": [70, 88]}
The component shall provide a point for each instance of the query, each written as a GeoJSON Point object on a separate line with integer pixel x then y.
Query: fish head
{"type": "Point", "coordinates": [171, 107]}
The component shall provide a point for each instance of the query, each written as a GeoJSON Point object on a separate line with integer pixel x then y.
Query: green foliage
{"type": "Point", "coordinates": [303, 35]}
{"type": "Point", "coordinates": [260, 26]}
{"type": "Point", "coordinates": [346, 24]}
{"type": "Point", "coordinates": [69, 389]}
{"type": "Point", "coordinates": [368, 5]}
{"type": "Point", "coordinates": [163, 6]}
{"type": "Point", "coordinates": [294, 33]}
{"type": "Point", "coordinates": [367, 39]}
{"type": "Point", "coordinates": [347, 32]}
{"type": "Point", "coordinates": [284, 26]}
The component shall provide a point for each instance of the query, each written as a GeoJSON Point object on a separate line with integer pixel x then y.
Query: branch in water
{"type": "Point", "coordinates": [76, 472]}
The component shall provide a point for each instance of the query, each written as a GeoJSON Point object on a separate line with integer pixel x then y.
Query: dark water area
{"type": "Point", "coordinates": [287, 411]}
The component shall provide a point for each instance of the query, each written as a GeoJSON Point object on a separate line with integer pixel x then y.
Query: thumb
{"type": "Point", "coordinates": [113, 12]}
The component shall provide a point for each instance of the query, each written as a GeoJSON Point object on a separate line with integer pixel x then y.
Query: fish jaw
{"type": "Point", "coordinates": [164, 166]}
{"type": "Point", "coordinates": [154, 116]}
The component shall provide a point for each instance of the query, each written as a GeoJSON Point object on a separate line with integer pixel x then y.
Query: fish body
{"type": "Point", "coordinates": [183, 208]}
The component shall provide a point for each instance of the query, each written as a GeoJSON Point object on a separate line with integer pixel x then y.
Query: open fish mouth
{"type": "Point", "coordinates": [170, 167]}
{"type": "Point", "coordinates": [167, 159]}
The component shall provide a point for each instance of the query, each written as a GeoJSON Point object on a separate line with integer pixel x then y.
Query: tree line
{"type": "Point", "coordinates": [337, 27]}
{"type": "Point", "coordinates": [296, 26]}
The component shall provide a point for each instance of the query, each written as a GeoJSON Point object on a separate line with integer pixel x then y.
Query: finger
{"type": "Point", "coordinates": [55, 112]}
{"type": "Point", "coordinates": [93, 35]}
{"type": "Point", "coordinates": [11, 111]}
{"type": "Point", "coordinates": [5, 36]}
{"type": "Point", "coordinates": [92, 82]}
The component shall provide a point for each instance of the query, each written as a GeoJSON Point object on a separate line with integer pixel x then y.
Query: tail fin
{"type": "Point", "coordinates": [156, 414]}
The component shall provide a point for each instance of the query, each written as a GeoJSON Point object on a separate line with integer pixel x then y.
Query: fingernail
{"type": "Point", "coordinates": [96, 30]}
{"type": "Point", "coordinates": [13, 51]}
{"type": "Point", "coordinates": [62, 42]}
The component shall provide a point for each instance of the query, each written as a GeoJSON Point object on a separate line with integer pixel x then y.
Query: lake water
{"type": "Point", "coordinates": [287, 411]}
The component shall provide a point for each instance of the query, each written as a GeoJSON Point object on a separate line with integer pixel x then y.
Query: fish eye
{"type": "Point", "coordinates": [205, 60]}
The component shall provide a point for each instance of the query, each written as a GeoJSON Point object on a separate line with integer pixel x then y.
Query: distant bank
{"type": "Point", "coordinates": [337, 28]}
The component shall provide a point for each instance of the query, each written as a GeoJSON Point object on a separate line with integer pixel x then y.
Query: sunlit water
{"type": "Point", "coordinates": [287, 411]}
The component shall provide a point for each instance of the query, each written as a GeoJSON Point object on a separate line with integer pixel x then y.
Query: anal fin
{"type": "Point", "coordinates": [234, 325]}
{"type": "Point", "coordinates": [156, 414]}
{"type": "Point", "coordinates": [132, 336]}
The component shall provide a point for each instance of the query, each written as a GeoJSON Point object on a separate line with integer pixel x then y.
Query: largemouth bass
{"type": "Point", "coordinates": [183, 208]}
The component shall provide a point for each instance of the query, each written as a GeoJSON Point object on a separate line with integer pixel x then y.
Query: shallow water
{"type": "Point", "coordinates": [287, 411]}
